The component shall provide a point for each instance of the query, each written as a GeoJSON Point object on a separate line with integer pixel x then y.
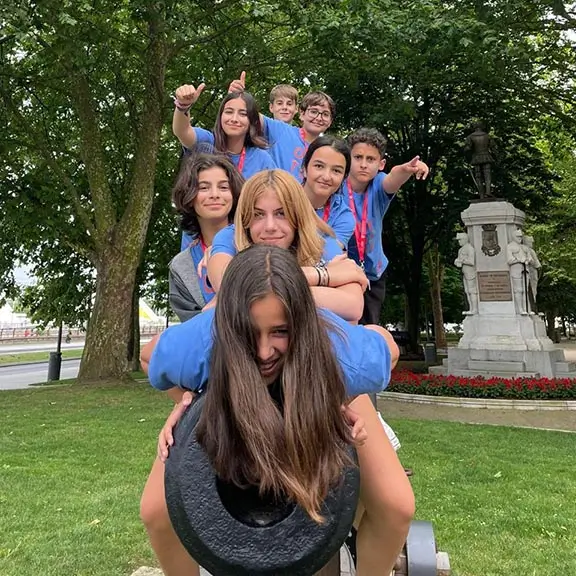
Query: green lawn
{"type": "Point", "coordinates": [36, 356]}
{"type": "Point", "coordinates": [74, 461]}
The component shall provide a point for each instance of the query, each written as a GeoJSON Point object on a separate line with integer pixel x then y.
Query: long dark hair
{"type": "Point", "coordinates": [255, 135]}
{"type": "Point", "coordinates": [297, 451]}
{"type": "Point", "coordinates": [338, 144]}
{"type": "Point", "coordinates": [186, 187]}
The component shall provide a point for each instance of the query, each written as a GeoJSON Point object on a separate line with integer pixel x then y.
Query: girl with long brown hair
{"type": "Point", "coordinates": [273, 209]}
{"type": "Point", "coordinates": [276, 371]}
{"type": "Point", "coordinates": [237, 130]}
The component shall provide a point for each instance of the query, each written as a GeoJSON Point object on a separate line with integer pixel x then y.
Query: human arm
{"type": "Point", "coordinates": [165, 438]}
{"type": "Point", "coordinates": [220, 253]}
{"type": "Point", "coordinates": [217, 265]}
{"type": "Point", "coordinates": [186, 96]}
{"type": "Point", "coordinates": [400, 174]}
{"type": "Point", "coordinates": [180, 357]}
{"type": "Point", "coordinates": [347, 301]}
{"type": "Point", "coordinates": [366, 354]}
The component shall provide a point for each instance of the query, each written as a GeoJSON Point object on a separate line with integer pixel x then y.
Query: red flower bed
{"type": "Point", "coordinates": [480, 387]}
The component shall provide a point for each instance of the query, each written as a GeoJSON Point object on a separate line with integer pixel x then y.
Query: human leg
{"type": "Point", "coordinates": [171, 554]}
{"type": "Point", "coordinates": [385, 494]}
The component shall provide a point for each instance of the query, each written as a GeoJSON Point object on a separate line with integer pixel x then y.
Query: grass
{"type": "Point", "coordinates": [36, 356]}
{"type": "Point", "coordinates": [75, 459]}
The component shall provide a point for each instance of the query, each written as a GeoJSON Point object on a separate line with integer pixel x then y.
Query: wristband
{"type": "Point", "coordinates": [182, 107]}
{"type": "Point", "coordinates": [319, 277]}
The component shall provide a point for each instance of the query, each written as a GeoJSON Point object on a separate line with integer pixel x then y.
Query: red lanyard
{"type": "Point", "coordinates": [326, 214]}
{"type": "Point", "coordinates": [360, 228]}
{"type": "Point", "coordinates": [203, 245]}
{"type": "Point", "coordinates": [241, 161]}
{"type": "Point", "coordinates": [303, 136]}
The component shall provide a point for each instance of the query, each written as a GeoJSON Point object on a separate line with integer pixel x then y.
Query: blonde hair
{"type": "Point", "coordinates": [308, 244]}
{"type": "Point", "coordinates": [283, 91]}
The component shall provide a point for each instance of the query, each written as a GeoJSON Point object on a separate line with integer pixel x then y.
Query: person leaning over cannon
{"type": "Point", "coordinates": [283, 384]}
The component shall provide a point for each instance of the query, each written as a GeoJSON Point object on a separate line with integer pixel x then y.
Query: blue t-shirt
{"type": "Point", "coordinates": [375, 261]}
{"type": "Point", "coordinates": [223, 243]}
{"type": "Point", "coordinates": [340, 217]}
{"type": "Point", "coordinates": [182, 356]}
{"type": "Point", "coordinates": [287, 145]}
{"type": "Point", "coordinates": [255, 160]}
{"type": "Point", "coordinates": [193, 244]}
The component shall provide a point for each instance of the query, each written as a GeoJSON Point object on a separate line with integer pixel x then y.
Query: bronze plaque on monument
{"type": "Point", "coordinates": [494, 286]}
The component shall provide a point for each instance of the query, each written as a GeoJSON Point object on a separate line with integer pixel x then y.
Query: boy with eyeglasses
{"type": "Point", "coordinates": [368, 191]}
{"type": "Point", "coordinates": [289, 143]}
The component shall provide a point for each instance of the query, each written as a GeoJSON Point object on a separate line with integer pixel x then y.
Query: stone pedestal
{"type": "Point", "coordinates": [498, 341]}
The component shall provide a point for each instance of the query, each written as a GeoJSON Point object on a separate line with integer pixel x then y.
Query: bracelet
{"type": "Point", "coordinates": [182, 107]}
{"type": "Point", "coordinates": [323, 276]}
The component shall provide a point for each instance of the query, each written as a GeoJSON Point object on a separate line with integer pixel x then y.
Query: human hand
{"type": "Point", "coordinates": [358, 433]}
{"type": "Point", "coordinates": [415, 167]}
{"type": "Point", "coordinates": [187, 94]}
{"type": "Point", "coordinates": [238, 85]}
{"type": "Point", "coordinates": [165, 438]}
{"type": "Point", "coordinates": [343, 270]}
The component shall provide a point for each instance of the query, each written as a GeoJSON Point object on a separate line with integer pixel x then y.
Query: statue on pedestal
{"type": "Point", "coordinates": [467, 261]}
{"type": "Point", "coordinates": [480, 145]}
{"type": "Point", "coordinates": [518, 260]}
{"type": "Point", "coordinates": [534, 266]}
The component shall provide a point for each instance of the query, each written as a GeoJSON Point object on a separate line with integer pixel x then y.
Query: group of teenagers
{"type": "Point", "coordinates": [279, 286]}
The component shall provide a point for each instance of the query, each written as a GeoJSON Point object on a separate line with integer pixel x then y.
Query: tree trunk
{"type": "Point", "coordinates": [120, 243]}
{"type": "Point", "coordinates": [436, 276]}
{"type": "Point", "coordinates": [550, 324]}
{"type": "Point", "coordinates": [412, 286]}
{"type": "Point", "coordinates": [106, 349]}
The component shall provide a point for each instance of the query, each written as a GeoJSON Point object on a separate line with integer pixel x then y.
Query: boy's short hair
{"type": "Point", "coordinates": [369, 136]}
{"type": "Point", "coordinates": [315, 99]}
{"type": "Point", "coordinates": [283, 91]}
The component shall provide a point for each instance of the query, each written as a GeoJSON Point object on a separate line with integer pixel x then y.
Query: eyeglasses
{"type": "Point", "coordinates": [314, 113]}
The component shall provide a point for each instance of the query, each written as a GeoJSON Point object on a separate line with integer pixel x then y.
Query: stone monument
{"type": "Point", "coordinates": [502, 336]}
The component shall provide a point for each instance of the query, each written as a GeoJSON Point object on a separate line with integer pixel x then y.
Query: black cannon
{"type": "Point", "coordinates": [237, 532]}
{"type": "Point", "coordinates": [234, 532]}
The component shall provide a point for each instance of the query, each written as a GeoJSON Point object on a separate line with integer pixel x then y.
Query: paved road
{"type": "Point", "coordinates": [21, 376]}
{"type": "Point", "coordinates": [35, 347]}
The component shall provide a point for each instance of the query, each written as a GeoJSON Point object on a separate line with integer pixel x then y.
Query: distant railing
{"type": "Point", "coordinates": [33, 333]}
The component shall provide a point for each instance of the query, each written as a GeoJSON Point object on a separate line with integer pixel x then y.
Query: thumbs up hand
{"type": "Point", "coordinates": [187, 94]}
{"type": "Point", "coordinates": [238, 85]}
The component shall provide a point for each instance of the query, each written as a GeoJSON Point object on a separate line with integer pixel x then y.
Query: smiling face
{"type": "Point", "coordinates": [270, 324]}
{"type": "Point", "coordinates": [269, 224]}
{"type": "Point", "coordinates": [213, 200]}
{"type": "Point", "coordinates": [283, 109]}
{"type": "Point", "coordinates": [366, 163]}
{"type": "Point", "coordinates": [234, 119]}
{"type": "Point", "coordinates": [324, 175]}
{"type": "Point", "coordinates": [316, 119]}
